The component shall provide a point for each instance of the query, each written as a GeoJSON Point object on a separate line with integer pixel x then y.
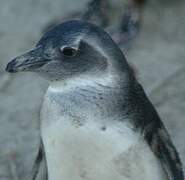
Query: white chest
{"type": "Point", "coordinates": [92, 148]}
{"type": "Point", "coordinates": [89, 152]}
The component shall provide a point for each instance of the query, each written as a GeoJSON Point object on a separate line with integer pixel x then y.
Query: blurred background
{"type": "Point", "coordinates": [151, 34]}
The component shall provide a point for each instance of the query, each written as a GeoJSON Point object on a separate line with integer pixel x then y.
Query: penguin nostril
{"type": "Point", "coordinates": [13, 62]}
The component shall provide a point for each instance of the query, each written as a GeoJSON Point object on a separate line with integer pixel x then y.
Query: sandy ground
{"type": "Point", "coordinates": [158, 55]}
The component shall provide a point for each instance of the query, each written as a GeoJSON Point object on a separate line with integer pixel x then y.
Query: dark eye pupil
{"type": "Point", "coordinates": [68, 51]}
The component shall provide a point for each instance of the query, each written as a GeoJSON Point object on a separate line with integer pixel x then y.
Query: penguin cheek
{"type": "Point", "coordinates": [57, 70]}
{"type": "Point", "coordinates": [49, 69]}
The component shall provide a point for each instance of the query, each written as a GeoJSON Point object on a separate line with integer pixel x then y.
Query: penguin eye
{"type": "Point", "coordinates": [69, 51]}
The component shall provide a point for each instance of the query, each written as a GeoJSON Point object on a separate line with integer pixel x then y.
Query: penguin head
{"type": "Point", "coordinates": [73, 48]}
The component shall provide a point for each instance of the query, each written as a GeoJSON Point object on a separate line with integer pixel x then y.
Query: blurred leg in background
{"type": "Point", "coordinates": [123, 26]}
{"type": "Point", "coordinates": [97, 12]}
{"type": "Point", "coordinates": [130, 23]}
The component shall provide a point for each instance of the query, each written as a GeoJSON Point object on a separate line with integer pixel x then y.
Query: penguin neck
{"type": "Point", "coordinates": [97, 97]}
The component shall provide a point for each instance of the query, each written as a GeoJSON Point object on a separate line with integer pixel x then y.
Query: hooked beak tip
{"type": "Point", "coordinates": [11, 66]}
{"type": "Point", "coordinates": [30, 61]}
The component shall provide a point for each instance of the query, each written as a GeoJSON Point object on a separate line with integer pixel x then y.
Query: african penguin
{"type": "Point", "coordinates": [96, 121]}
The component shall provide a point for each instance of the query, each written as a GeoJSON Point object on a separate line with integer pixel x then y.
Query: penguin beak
{"type": "Point", "coordinates": [29, 61]}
